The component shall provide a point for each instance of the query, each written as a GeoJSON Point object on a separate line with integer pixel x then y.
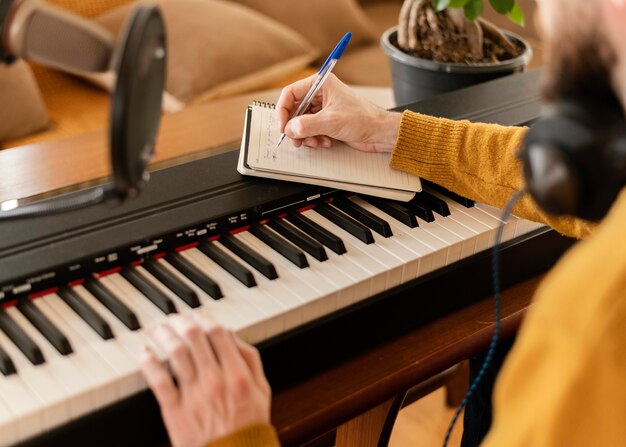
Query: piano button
{"type": "Point", "coordinates": [429, 201]}
{"type": "Point", "coordinates": [227, 263]}
{"type": "Point", "coordinates": [98, 361]}
{"type": "Point", "coordinates": [297, 237]}
{"type": "Point", "coordinates": [47, 329]}
{"type": "Point", "coordinates": [279, 244]}
{"type": "Point", "coordinates": [253, 258]}
{"type": "Point", "coordinates": [393, 209]}
{"type": "Point", "coordinates": [437, 247]}
{"type": "Point", "coordinates": [352, 226]}
{"type": "Point", "coordinates": [197, 277]}
{"type": "Point", "coordinates": [317, 232]}
{"type": "Point", "coordinates": [171, 282]}
{"type": "Point", "coordinates": [6, 364]}
{"type": "Point", "coordinates": [419, 209]}
{"type": "Point", "coordinates": [158, 298]}
{"type": "Point", "coordinates": [86, 312]}
{"type": "Point", "coordinates": [368, 219]}
{"type": "Point", "coordinates": [25, 406]}
{"type": "Point", "coordinates": [117, 308]}
{"type": "Point", "coordinates": [242, 308]}
{"type": "Point", "coordinates": [467, 203]}
{"type": "Point", "coordinates": [21, 340]}
{"type": "Point", "coordinates": [58, 381]}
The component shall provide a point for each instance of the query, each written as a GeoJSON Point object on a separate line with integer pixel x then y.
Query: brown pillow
{"type": "Point", "coordinates": [22, 111]}
{"type": "Point", "coordinates": [322, 22]}
{"type": "Point", "coordinates": [217, 48]}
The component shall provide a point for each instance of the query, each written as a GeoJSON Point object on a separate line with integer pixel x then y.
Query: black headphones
{"type": "Point", "coordinates": [574, 158]}
{"type": "Point", "coordinates": [139, 61]}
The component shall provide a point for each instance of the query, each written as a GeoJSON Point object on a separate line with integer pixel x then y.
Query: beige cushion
{"type": "Point", "coordinates": [217, 48]}
{"type": "Point", "coordinates": [22, 111]}
{"type": "Point", "coordinates": [322, 22]}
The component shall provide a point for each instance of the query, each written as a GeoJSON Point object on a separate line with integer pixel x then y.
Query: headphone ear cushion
{"type": "Point", "coordinates": [136, 100]}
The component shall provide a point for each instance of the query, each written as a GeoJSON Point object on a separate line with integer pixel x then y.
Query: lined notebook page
{"type": "Point", "coordinates": [339, 163]}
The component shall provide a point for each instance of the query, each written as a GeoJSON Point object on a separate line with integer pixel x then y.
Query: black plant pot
{"type": "Point", "coordinates": [415, 79]}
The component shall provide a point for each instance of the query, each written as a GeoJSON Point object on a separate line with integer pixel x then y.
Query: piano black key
{"type": "Point", "coordinates": [182, 290]}
{"type": "Point", "coordinates": [395, 210]}
{"type": "Point", "coordinates": [6, 364]}
{"type": "Point", "coordinates": [117, 308]}
{"type": "Point", "coordinates": [467, 203]}
{"type": "Point", "coordinates": [141, 283]}
{"type": "Point", "coordinates": [283, 247]}
{"type": "Point", "coordinates": [355, 228]}
{"type": "Point", "coordinates": [421, 211]}
{"type": "Point", "coordinates": [359, 213]}
{"type": "Point", "coordinates": [249, 255]}
{"type": "Point", "coordinates": [21, 339]}
{"type": "Point", "coordinates": [86, 312]}
{"type": "Point", "coordinates": [46, 327]}
{"type": "Point", "coordinates": [305, 242]}
{"type": "Point", "coordinates": [318, 232]}
{"type": "Point", "coordinates": [195, 275]}
{"type": "Point", "coordinates": [227, 262]}
{"type": "Point", "coordinates": [429, 201]}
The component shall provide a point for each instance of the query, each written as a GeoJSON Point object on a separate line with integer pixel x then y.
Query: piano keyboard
{"type": "Point", "coordinates": [73, 350]}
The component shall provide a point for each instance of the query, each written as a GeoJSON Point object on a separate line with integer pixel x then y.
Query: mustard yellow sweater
{"type": "Point", "coordinates": [564, 383]}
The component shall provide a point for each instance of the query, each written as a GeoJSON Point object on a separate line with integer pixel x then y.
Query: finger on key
{"type": "Point", "coordinates": [158, 379]}
{"type": "Point", "coordinates": [252, 358]}
{"type": "Point", "coordinates": [177, 353]}
{"type": "Point", "coordinates": [192, 333]}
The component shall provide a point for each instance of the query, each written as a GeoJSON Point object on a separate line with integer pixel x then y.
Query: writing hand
{"type": "Point", "coordinates": [336, 112]}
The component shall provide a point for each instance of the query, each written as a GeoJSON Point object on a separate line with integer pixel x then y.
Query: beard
{"type": "Point", "coordinates": [580, 59]}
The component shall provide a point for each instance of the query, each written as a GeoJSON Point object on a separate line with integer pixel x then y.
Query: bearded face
{"type": "Point", "coordinates": [580, 57]}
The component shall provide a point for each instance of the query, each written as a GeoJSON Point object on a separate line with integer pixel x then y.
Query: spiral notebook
{"type": "Point", "coordinates": [338, 167]}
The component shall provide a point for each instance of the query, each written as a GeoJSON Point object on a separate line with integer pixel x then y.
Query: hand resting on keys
{"type": "Point", "coordinates": [221, 385]}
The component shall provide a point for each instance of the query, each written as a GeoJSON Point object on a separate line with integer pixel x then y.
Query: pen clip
{"type": "Point", "coordinates": [337, 52]}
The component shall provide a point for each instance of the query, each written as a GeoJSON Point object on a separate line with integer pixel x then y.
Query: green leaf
{"type": "Point", "coordinates": [458, 3]}
{"type": "Point", "coordinates": [440, 5]}
{"type": "Point", "coordinates": [473, 9]}
{"type": "Point", "coordinates": [516, 15]}
{"type": "Point", "coordinates": [502, 6]}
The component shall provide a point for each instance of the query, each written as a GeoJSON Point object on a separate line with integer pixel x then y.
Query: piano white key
{"type": "Point", "coordinates": [439, 248]}
{"type": "Point", "coordinates": [243, 321]}
{"type": "Point", "coordinates": [509, 230]}
{"type": "Point", "coordinates": [363, 254]}
{"type": "Point", "coordinates": [76, 389]}
{"type": "Point", "coordinates": [111, 351]}
{"type": "Point", "coordinates": [24, 404]}
{"type": "Point", "coordinates": [8, 429]}
{"type": "Point", "coordinates": [468, 247]}
{"type": "Point", "coordinates": [292, 302]}
{"type": "Point", "coordinates": [258, 307]}
{"type": "Point", "coordinates": [40, 378]}
{"type": "Point", "coordinates": [317, 294]}
{"type": "Point", "coordinates": [102, 379]}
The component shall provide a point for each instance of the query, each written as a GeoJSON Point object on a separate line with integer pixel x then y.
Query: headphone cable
{"type": "Point", "coordinates": [506, 213]}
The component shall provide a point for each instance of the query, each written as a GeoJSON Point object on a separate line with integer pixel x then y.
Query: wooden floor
{"type": "Point", "coordinates": [425, 422]}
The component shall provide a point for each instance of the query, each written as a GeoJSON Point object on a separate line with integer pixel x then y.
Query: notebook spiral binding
{"type": "Point", "coordinates": [267, 105]}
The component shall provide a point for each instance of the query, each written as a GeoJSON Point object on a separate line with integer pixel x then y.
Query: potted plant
{"type": "Point", "coordinates": [442, 45]}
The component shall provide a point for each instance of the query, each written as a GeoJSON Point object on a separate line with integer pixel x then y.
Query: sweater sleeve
{"type": "Point", "coordinates": [474, 160]}
{"type": "Point", "coordinates": [258, 435]}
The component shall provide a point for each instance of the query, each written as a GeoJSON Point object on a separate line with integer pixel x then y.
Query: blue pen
{"type": "Point", "coordinates": [326, 69]}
